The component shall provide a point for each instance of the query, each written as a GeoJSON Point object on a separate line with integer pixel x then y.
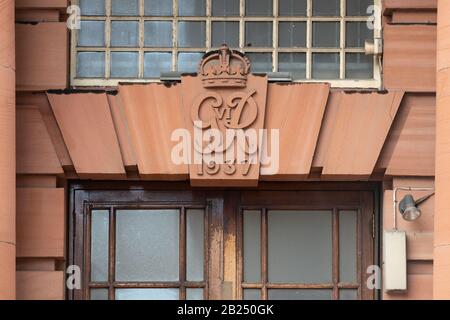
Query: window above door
{"type": "Point", "coordinates": [311, 40]}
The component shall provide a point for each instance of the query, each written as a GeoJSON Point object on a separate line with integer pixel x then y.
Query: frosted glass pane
{"type": "Point", "coordinates": [292, 8]}
{"type": "Point", "coordinates": [147, 246]}
{"type": "Point", "coordinates": [261, 62]}
{"type": "Point", "coordinates": [124, 34]}
{"type": "Point", "coordinates": [158, 34]}
{"type": "Point", "coordinates": [91, 34]}
{"type": "Point", "coordinates": [158, 7]}
{"type": "Point", "coordinates": [357, 34]}
{"type": "Point", "coordinates": [225, 32]}
{"type": "Point", "coordinates": [99, 245]}
{"type": "Point", "coordinates": [252, 246]}
{"type": "Point", "coordinates": [259, 8]}
{"type": "Point", "coordinates": [300, 294]}
{"type": "Point", "coordinates": [194, 294]}
{"type": "Point", "coordinates": [188, 61]}
{"type": "Point", "coordinates": [326, 34]}
{"type": "Point", "coordinates": [99, 294]}
{"type": "Point", "coordinates": [125, 7]}
{"type": "Point", "coordinates": [252, 294]}
{"type": "Point", "coordinates": [189, 8]}
{"type": "Point", "coordinates": [326, 7]}
{"type": "Point", "coordinates": [295, 63]}
{"type": "Point", "coordinates": [191, 34]}
{"type": "Point", "coordinates": [347, 246]}
{"type": "Point", "coordinates": [91, 64]}
{"type": "Point", "coordinates": [300, 246]}
{"type": "Point", "coordinates": [359, 66]}
{"type": "Point", "coordinates": [157, 62]}
{"type": "Point", "coordinates": [348, 294]}
{"type": "Point", "coordinates": [124, 64]}
{"type": "Point", "coordinates": [92, 7]}
{"type": "Point", "coordinates": [225, 8]}
{"type": "Point", "coordinates": [292, 34]}
{"type": "Point", "coordinates": [147, 294]}
{"type": "Point", "coordinates": [325, 66]}
{"type": "Point", "coordinates": [258, 34]}
{"type": "Point", "coordinates": [359, 7]}
{"type": "Point", "coordinates": [195, 245]}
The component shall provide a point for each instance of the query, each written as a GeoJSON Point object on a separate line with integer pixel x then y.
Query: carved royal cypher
{"type": "Point", "coordinates": [224, 107]}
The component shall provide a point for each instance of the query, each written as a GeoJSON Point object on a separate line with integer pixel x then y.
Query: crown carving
{"type": "Point", "coordinates": [224, 68]}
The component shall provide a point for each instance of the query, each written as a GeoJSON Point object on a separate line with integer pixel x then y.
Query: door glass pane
{"type": "Point", "coordinates": [91, 34]}
{"type": "Point", "coordinates": [359, 66]}
{"type": "Point", "coordinates": [325, 66]}
{"type": "Point", "coordinates": [292, 34]}
{"type": "Point", "coordinates": [157, 62]}
{"type": "Point", "coordinates": [147, 247]}
{"type": "Point", "coordinates": [326, 7]}
{"type": "Point", "coordinates": [158, 34]}
{"type": "Point", "coordinates": [347, 246]}
{"type": "Point", "coordinates": [124, 64]}
{"type": "Point", "coordinates": [99, 245]}
{"type": "Point", "coordinates": [125, 7]}
{"type": "Point", "coordinates": [158, 7]}
{"type": "Point", "coordinates": [359, 7]}
{"type": "Point", "coordinates": [260, 62]}
{"type": "Point", "coordinates": [188, 61]}
{"type": "Point", "coordinates": [192, 8]}
{"type": "Point", "coordinates": [92, 7]}
{"type": "Point", "coordinates": [295, 63]}
{"type": "Point", "coordinates": [225, 8]}
{"type": "Point", "coordinates": [292, 8]}
{"type": "Point", "coordinates": [195, 246]}
{"type": "Point", "coordinates": [124, 34]}
{"type": "Point", "coordinates": [300, 294]}
{"type": "Point", "coordinates": [252, 246]}
{"type": "Point", "coordinates": [258, 34]}
{"type": "Point", "coordinates": [91, 64]}
{"type": "Point", "coordinates": [147, 294]}
{"type": "Point", "coordinates": [225, 32]}
{"type": "Point", "coordinates": [299, 246]}
{"type": "Point", "coordinates": [326, 34]}
{"type": "Point", "coordinates": [191, 34]}
{"type": "Point", "coordinates": [262, 8]}
{"type": "Point", "coordinates": [252, 294]}
{"type": "Point", "coordinates": [357, 34]}
{"type": "Point", "coordinates": [348, 294]}
{"type": "Point", "coordinates": [194, 294]}
{"type": "Point", "coordinates": [99, 294]}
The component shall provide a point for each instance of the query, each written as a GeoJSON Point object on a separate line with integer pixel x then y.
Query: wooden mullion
{"type": "Point", "coordinates": [336, 253]}
{"type": "Point", "coordinates": [239, 255]}
{"type": "Point", "coordinates": [205, 254]}
{"type": "Point", "coordinates": [87, 249]}
{"type": "Point", "coordinates": [264, 254]}
{"type": "Point", "coordinates": [182, 253]}
{"type": "Point", "coordinates": [112, 253]}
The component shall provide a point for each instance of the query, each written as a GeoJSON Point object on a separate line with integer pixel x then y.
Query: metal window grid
{"type": "Point", "coordinates": [342, 82]}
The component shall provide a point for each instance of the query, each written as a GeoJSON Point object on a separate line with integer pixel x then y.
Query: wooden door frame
{"type": "Point", "coordinates": [222, 268]}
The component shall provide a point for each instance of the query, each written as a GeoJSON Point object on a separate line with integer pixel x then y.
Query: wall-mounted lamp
{"type": "Point", "coordinates": [408, 207]}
